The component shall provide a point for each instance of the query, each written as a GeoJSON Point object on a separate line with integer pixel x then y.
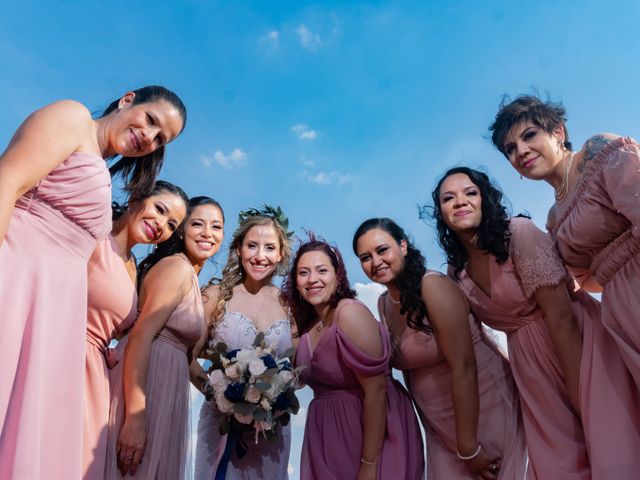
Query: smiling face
{"type": "Point", "coordinates": [260, 253]}
{"type": "Point", "coordinates": [137, 130]}
{"type": "Point", "coordinates": [203, 233]}
{"type": "Point", "coordinates": [316, 278]}
{"type": "Point", "coordinates": [155, 218]}
{"type": "Point", "coordinates": [381, 256]}
{"type": "Point", "coordinates": [460, 203]}
{"type": "Point", "coordinates": [532, 151]}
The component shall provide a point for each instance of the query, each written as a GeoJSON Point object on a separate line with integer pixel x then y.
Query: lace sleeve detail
{"type": "Point", "coordinates": [535, 257]}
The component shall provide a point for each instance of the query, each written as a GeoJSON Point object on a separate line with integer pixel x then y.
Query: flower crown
{"type": "Point", "coordinates": [268, 211]}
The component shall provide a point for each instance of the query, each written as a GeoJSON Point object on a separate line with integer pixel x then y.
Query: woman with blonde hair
{"type": "Point", "coordinates": [243, 304]}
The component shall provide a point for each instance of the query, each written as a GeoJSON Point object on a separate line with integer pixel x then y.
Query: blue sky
{"type": "Point", "coordinates": [337, 111]}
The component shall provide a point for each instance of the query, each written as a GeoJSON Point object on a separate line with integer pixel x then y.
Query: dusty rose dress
{"type": "Point", "coordinates": [332, 445]}
{"type": "Point", "coordinates": [500, 430]}
{"type": "Point", "coordinates": [597, 231]}
{"type": "Point", "coordinates": [112, 308]}
{"type": "Point", "coordinates": [167, 395]}
{"type": "Point", "coordinates": [554, 433]}
{"type": "Point", "coordinates": [264, 460]}
{"type": "Point", "coordinates": [52, 232]}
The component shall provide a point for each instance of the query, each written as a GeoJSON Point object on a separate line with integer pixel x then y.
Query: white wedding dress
{"type": "Point", "coordinates": [266, 460]}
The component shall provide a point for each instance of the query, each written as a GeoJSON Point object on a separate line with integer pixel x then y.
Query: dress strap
{"type": "Point", "coordinates": [431, 273]}
{"type": "Point", "coordinates": [349, 301]}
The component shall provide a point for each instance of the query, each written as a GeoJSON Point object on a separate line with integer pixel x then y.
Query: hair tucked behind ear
{"type": "Point", "coordinates": [409, 281]}
{"type": "Point", "coordinates": [139, 173]}
{"type": "Point", "coordinates": [492, 233]}
{"type": "Point", "coordinates": [175, 244]}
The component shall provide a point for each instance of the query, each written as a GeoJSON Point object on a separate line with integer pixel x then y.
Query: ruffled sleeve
{"type": "Point", "coordinates": [358, 361]}
{"type": "Point", "coordinates": [534, 256]}
{"type": "Point", "coordinates": [621, 178]}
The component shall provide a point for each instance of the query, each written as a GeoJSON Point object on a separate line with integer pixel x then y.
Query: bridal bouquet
{"type": "Point", "coordinates": [253, 387]}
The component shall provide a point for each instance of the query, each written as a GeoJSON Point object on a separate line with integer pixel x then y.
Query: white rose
{"type": "Point", "coordinates": [265, 404]}
{"type": "Point", "coordinates": [285, 376]}
{"type": "Point", "coordinates": [252, 395]}
{"type": "Point", "coordinates": [246, 355]}
{"type": "Point", "coordinates": [217, 380]}
{"type": "Point", "coordinates": [233, 371]}
{"type": "Point", "coordinates": [257, 367]}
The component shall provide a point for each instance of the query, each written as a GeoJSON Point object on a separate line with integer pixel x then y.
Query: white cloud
{"type": "Point", "coordinates": [307, 162]}
{"type": "Point", "coordinates": [304, 132]}
{"type": "Point", "coordinates": [328, 178]}
{"type": "Point", "coordinates": [227, 160]}
{"type": "Point", "coordinates": [368, 294]}
{"type": "Point", "coordinates": [271, 40]}
{"type": "Point", "coordinates": [309, 40]}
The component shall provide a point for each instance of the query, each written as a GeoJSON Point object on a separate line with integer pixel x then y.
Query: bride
{"type": "Point", "coordinates": [243, 304]}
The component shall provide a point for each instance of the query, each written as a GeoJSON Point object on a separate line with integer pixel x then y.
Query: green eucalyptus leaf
{"type": "Point", "coordinates": [259, 339]}
{"type": "Point", "coordinates": [262, 386]}
{"type": "Point", "coordinates": [245, 408]}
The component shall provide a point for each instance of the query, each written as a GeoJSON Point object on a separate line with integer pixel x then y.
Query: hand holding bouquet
{"type": "Point", "coordinates": [253, 387]}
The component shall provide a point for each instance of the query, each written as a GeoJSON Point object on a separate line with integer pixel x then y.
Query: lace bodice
{"type": "Point", "coordinates": [238, 331]}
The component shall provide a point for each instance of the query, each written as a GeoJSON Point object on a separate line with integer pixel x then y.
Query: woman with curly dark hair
{"type": "Point", "coordinates": [595, 222]}
{"type": "Point", "coordinates": [461, 383]}
{"type": "Point", "coordinates": [361, 423]}
{"type": "Point", "coordinates": [516, 283]}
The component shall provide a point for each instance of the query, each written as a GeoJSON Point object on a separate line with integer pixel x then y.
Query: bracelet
{"type": "Point", "coordinates": [472, 456]}
{"type": "Point", "coordinates": [373, 464]}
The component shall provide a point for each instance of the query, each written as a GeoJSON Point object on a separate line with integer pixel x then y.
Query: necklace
{"type": "Point", "coordinates": [563, 190]}
{"type": "Point", "coordinates": [319, 326]}
{"type": "Point", "coordinates": [391, 298]}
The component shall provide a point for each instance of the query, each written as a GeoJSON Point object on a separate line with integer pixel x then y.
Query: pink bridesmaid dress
{"type": "Point", "coordinates": [554, 432]}
{"type": "Point", "coordinates": [500, 430]}
{"type": "Point", "coordinates": [332, 445]}
{"type": "Point", "coordinates": [597, 231]}
{"type": "Point", "coordinates": [52, 232]}
{"type": "Point", "coordinates": [112, 308]}
{"type": "Point", "coordinates": [167, 394]}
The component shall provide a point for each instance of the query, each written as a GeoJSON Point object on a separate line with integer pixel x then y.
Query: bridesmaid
{"type": "Point", "coordinates": [148, 218]}
{"type": "Point", "coordinates": [360, 423]}
{"type": "Point", "coordinates": [516, 283]}
{"type": "Point", "coordinates": [55, 195]}
{"type": "Point", "coordinates": [461, 383]}
{"type": "Point", "coordinates": [150, 388]}
{"type": "Point", "coordinates": [595, 222]}
{"type": "Point", "coordinates": [244, 303]}
{"type": "Point", "coordinates": [595, 216]}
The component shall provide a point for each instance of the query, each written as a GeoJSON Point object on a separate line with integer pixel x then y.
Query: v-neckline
{"type": "Point", "coordinates": [477, 286]}
{"type": "Point", "coordinates": [114, 248]}
{"type": "Point", "coordinates": [312, 350]}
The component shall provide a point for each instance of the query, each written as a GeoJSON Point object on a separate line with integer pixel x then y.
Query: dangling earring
{"type": "Point", "coordinates": [520, 176]}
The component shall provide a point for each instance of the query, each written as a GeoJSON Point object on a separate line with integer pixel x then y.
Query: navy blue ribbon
{"type": "Point", "coordinates": [234, 439]}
